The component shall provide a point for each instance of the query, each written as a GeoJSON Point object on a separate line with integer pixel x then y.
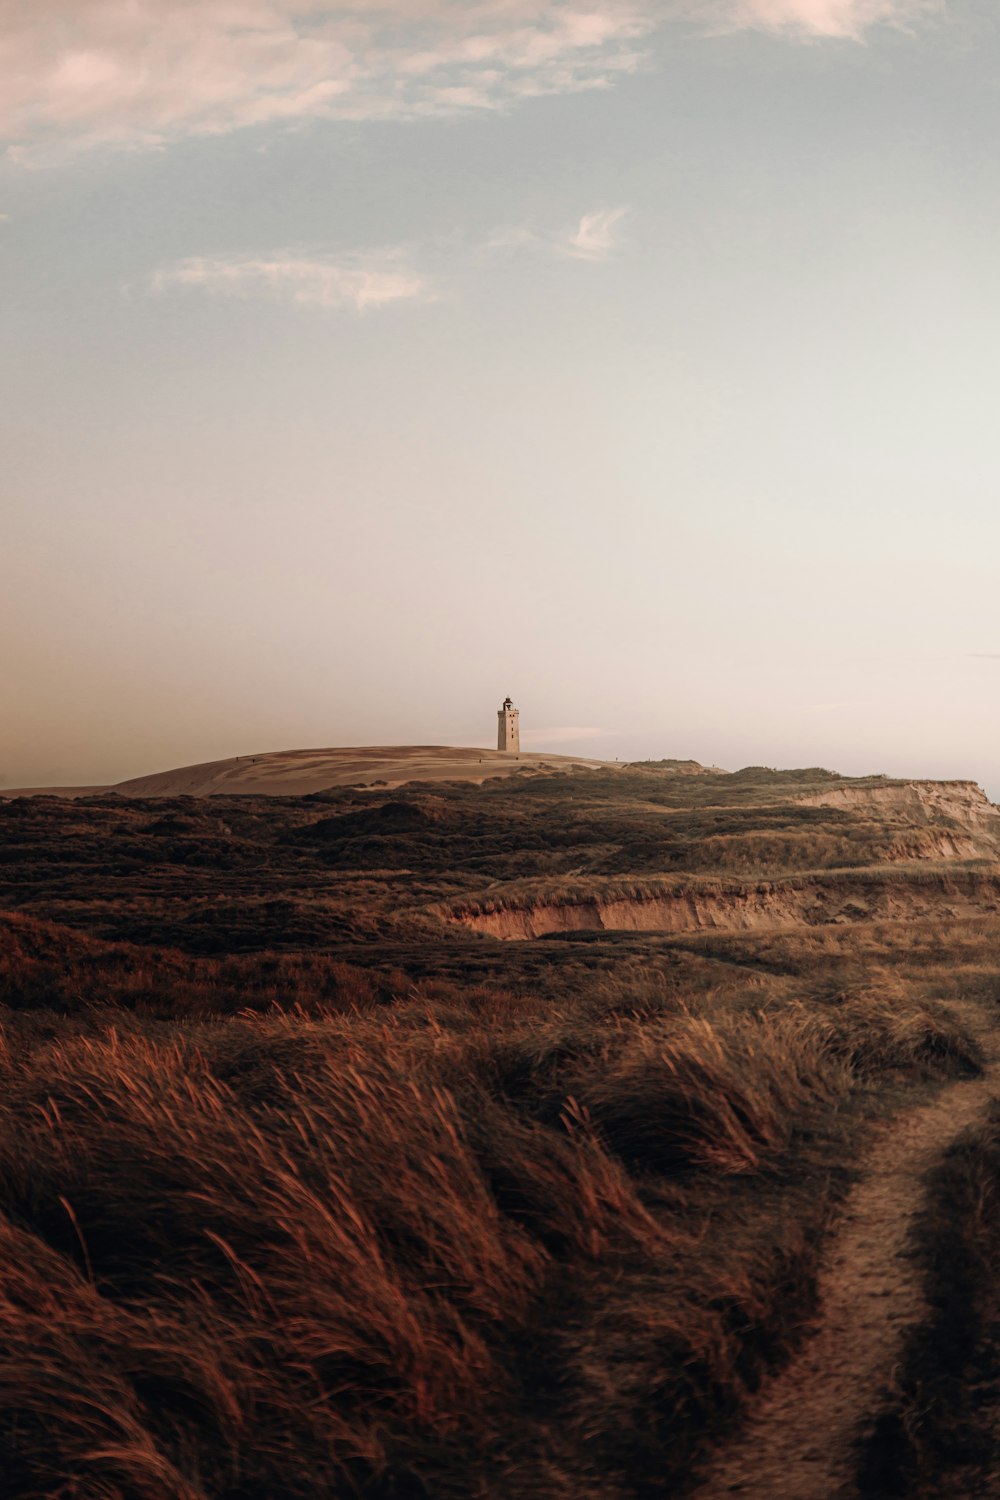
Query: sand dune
{"type": "Point", "coordinates": [294, 773]}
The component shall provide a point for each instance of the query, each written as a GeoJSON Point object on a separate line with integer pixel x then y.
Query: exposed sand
{"type": "Point", "coordinates": [961, 802]}
{"type": "Point", "coordinates": [765, 906]}
{"type": "Point", "coordinates": [294, 773]}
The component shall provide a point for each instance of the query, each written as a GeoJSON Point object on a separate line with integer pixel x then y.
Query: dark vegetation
{"type": "Point", "coordinates": [306, 1190]}
{"type": "Point", "coordinates": [937, 1437]}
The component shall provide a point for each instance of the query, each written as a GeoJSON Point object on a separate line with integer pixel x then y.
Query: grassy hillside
{"type": "Point", "coordinates": [308, 1187]}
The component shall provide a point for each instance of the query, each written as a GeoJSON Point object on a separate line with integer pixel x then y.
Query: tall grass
{"type": "Point", "coordinates": [305, 1191]}
{"type": "Point", "coordinates": [408, 1254]}
{"type": "Point", "coordinates": [46, 965]}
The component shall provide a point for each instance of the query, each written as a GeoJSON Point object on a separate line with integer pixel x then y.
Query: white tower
{"type": "Point", "coordinates": [508, 734]}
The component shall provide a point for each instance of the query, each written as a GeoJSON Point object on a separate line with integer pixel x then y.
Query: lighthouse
{"type": "Point", "coordinates": [508, 733]}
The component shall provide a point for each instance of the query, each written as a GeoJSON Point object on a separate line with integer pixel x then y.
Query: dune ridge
{"type": "Point", "coordinates": [296, 773]}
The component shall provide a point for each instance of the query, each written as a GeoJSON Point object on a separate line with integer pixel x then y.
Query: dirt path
{"type": "Point", "coordinates": [798, 1443]}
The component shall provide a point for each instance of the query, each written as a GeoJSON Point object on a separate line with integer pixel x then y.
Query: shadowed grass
{"type": "Point", "coordinates": [305, 1191]}
{"type": "Point", "coordinates": [379, 1257]}
{"type": "Point", "coordinates": [936, 1436]}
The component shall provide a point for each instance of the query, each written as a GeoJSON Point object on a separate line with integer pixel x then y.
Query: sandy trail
{"type": "Point", "coordinates": [798, 1442]}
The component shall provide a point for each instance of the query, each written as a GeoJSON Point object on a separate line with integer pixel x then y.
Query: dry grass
{"type": "Point", "coordinates": [399, 1256]}
{"type": "Point", "coordinates": [303, 1192]}
{"type": "Point", "coordinates": [44, 965]}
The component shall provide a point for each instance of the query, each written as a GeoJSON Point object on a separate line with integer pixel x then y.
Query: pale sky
{"type": "Point", "coordinates": [361, 364]}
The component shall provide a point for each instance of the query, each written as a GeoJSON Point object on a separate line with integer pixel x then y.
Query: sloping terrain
{"type": "Point", "coordinates": [684, 906]}
{"type": "Point", "coordinates": [296, 773]}
{"type": "Point", "coordinates": [313, 1181]}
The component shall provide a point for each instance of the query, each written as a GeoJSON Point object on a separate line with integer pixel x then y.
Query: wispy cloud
{"type": "Point", "coordinates": [314, 282]}
{"type": "Point", "coordinates": [596, 235]}
{"type": "Point", "coordinates": [141, 73]}
{"type": "Point", "coordinates": [144, 72]}
{"type": "Point", "coordinates": [819, 18]}
{"type": "Point", "coordinates": [373, 279]}
{"type": "Point", "coordinates": [594, 238]}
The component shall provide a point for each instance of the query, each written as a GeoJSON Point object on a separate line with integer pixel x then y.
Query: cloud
{"type": "Point", "coordinates": [820, 18]}
{"type": "Point", "coordinates": [595, 237]}
{"type": "Point", "coordinates": [142, 73]}
{"type": "Point", "coordinates": [308, 282]}
{"type": "Point", "coordinates": [369, 279]}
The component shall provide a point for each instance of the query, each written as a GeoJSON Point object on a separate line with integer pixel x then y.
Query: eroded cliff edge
{"type": "Point", "coordinates": [934, 850]}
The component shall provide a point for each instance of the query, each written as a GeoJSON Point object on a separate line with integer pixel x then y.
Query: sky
{"type": "Point", "coordinates": [361, 364]}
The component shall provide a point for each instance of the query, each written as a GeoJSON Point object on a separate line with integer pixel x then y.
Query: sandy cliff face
{"type": "Point", "coordinates": [962, 804]}
{"type": "Point", "coordinates": [929, 823]}
{"type": "Point", "coordinates": [931, 819]}
{"type": "Point", "coordinates": [753, 908]}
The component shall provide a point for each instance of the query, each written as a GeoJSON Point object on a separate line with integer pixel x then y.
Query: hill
{"type": "Point", "coordinates": [486, 1135]}
{"type": "Point", "coordinates": [296, 773]}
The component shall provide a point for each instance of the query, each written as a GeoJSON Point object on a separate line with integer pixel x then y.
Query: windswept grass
{"type": "Point", "coordinates": [305, 1191]}
{"type": "Point", "coordinates": [390, 1257]}
{"type": "Point", "coordinates": [47, 966]}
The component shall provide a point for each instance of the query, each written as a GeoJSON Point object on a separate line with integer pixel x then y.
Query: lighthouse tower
{"type": "Point", "coordinates": [508, 733]}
